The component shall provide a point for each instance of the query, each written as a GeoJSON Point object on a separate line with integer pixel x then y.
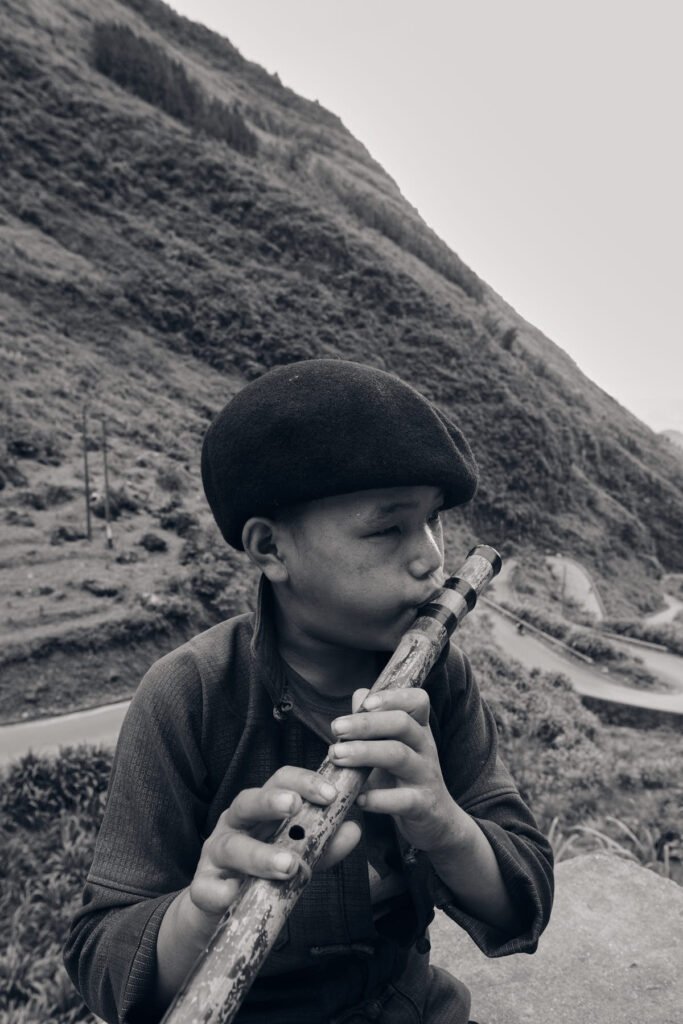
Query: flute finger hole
{"type": "Point", "coordinates": [297, 832]}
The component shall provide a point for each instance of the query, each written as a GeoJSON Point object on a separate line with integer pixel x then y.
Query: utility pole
{"type": "Point", "coordinates": [84, 430]}
{"type": "Point", "coordinates": [107, 509]}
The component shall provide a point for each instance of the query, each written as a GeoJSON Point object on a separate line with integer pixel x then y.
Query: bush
{"type": "Point", "coordinates": [27, 441]}
{"type": "Point", "coordinates": [145, 69]}
{"type": "Point", "coordinates": [179, 520]}
{"type": "Point", "coordinates": [35, 789]}
{"type": "Point", "coordinates": [119, 501]}
{"type": "Point", "coordinates": [46, 496]}
{"type": "Point", "coordinates": [153, 542]}
{"type": "Point", "coordinates": [584, 641]}
{"type": "Point", "coordinates": [170, 478]}
{"type": "Point", "coordinates": [51, 809]}
{"type": "Point", "coordinates": [66, 533]}
{"type": "Point", "coordinates": [668, 634]}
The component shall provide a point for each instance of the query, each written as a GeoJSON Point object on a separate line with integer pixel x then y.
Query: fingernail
{"type": "Point", "coordinates": [339, 750]}
{"type": "Point", "coordinates": [327, 791]}
{"type": "Point", "coordinates": [284, 803]}
{"type": "Point", "coordinates": [284, 862]}
{"type": "Point", "coordinates": [340, 726]}
{"type": "Point", "coordinates": [371, 702]}
{"type": "Point", "coordinates": [361, 799]}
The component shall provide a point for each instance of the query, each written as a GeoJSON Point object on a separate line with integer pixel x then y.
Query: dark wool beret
{"type": "Point", "coordinates": [322, 427]}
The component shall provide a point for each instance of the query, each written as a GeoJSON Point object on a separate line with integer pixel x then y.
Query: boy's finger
{"type": "Point", "coordinates": [241, 853]}
{"type": "Point", "coordinates": [308, 784]}
{"type": "Point", "coordinates": [358, 697]}
{"type": "Point", "coordinates": [403, 801]}
{"type": "Point", "coordinates": [340, 845]}
{"type": "Point", "coordinates": [394, 756]}
{"type": "Point", "coordinates": [413, 700]}
{"type": "Point", "coordinates": [253, 806]}
{"type": "Point", "coordinates": [213, 895]}
{"type": "Point", "coordinates": [377, 725]}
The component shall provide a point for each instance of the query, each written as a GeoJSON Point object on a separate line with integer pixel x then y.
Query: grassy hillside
{"type": "Point", "coordinates": [173, 222]}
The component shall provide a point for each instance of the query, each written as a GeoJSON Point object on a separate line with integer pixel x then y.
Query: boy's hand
{"type": "Point", "coordinates": [394, 738]}
{"type": "Point", "coordinates": [236, 847]}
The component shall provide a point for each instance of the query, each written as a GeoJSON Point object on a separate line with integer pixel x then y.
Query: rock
{"type": "Point", "coordinates": [152, 542]}
{"type": "Point", "coordinates": [610, 955]}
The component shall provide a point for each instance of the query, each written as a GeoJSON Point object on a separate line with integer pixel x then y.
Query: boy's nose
{"type": "Point", "coordinates": [426, 557]}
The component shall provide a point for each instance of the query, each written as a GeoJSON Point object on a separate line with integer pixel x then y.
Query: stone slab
{"type": "Point", "coordinates": [612, 953]}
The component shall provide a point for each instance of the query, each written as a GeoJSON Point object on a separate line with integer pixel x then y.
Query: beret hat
{"type": "Point", "coordinates": [322, 427]}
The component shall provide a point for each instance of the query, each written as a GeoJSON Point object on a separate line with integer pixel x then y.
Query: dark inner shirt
{"type": "Point", "coordinates": [317, 710]}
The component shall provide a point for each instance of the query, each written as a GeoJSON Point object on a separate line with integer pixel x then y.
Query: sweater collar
{"type": "Point", "coordinates": [264, 643]}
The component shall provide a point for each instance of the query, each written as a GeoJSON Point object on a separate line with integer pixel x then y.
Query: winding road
{"type": "Point", "coordinates": [101, 725]}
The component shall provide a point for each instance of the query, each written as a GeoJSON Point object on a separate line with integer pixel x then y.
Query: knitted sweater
{"type": "Point", "coordinates": [211, 719]}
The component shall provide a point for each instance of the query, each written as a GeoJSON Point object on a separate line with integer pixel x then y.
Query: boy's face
{"type": "Point", "coordinates": [359, 565]}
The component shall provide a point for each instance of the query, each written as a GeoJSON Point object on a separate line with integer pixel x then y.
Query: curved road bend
{"type": "Point", "coordinates": [46, 735]}
{"type": "Point", "coordinates": [101, 725]}
{"type": "Point", "coordinates": [586, 680]}
{"type": "Point", "coordinates": [673, 606]}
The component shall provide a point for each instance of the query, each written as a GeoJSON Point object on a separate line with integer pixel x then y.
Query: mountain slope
{"type": "Point", "coordinates": [149, 268]}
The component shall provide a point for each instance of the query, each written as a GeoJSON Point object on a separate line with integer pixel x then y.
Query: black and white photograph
{"type": "Point", "coordinates": [341, 512]}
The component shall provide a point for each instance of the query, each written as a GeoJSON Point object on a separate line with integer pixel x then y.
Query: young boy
{"type": "Point", "coordinates": [331, 476]}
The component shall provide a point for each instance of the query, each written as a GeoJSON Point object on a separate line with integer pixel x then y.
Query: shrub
{"type": "Point", "coordinates": [35, 789]}
{"type": "Point", "coordinates": [668, 634]}
{"type": "Point", "coordinates": [640, 844]}
{"type": "Point", "coordinates": [51, 809]}
{"type": "Point", "coordinates": [582, 640]}
{"type": "Point", "coordinates": [179, 520]}
{"type": "Point", "coordinates": [27, 441]}
{"type": "Point", "coordinates": [170, 478]}
{"type": "Point", "coordinates": [153, 542]}
{"type": "Point", "coordinates": [145, 69]}
{"type": "Point", "coordinates": [46, 496]}
{"type": "Point", "coordinates": [120, 500]}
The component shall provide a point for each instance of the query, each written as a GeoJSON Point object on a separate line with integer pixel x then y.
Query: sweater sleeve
{"type": "Point", "coordinates": [481, 784]}
{"type": "Point", "coordinates": [148, 845]}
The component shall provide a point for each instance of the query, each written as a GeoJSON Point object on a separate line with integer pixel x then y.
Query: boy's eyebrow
{"type": "Point", "coordinates": [386, 510]}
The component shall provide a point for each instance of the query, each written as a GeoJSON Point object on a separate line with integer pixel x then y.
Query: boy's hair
{"type": "Point", "coordinates": [323, 427]}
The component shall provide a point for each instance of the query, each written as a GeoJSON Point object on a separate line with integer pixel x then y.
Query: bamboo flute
{"type": "Point", "coordinates": [222, 975]}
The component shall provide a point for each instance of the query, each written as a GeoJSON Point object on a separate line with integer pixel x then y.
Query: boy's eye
{"type": "Point", "coordinates": [386, 532]}
{"type": "Point", "coordinates": [435, 516]}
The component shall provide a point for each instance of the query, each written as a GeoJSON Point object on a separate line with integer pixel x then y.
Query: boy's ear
{"type": "Point", "coordinates": [261, 540]}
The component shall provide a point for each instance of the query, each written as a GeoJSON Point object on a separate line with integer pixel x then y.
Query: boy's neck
{"type": "Point", "coordinates": [333, 670]}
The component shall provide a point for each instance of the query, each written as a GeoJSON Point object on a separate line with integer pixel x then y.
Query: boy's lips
{"type": "Point", "coordinates": [434, 593]}
{"type": "Point", "coordinates": [415, 607]}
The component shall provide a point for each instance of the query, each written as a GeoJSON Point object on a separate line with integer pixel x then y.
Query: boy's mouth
{"type": "Point", "coordinates": [434, 593]}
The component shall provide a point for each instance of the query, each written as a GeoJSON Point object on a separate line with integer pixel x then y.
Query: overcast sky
{"type": "Point", "coordinates": [542, 141]}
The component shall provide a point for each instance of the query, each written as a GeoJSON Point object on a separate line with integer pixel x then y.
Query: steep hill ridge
{"type": "Point", "coordinates": [150, 269]}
